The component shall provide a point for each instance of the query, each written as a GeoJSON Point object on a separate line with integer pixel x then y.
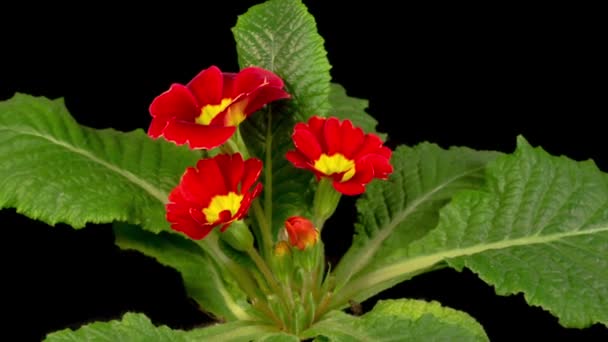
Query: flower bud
{"type": "Point", "coordinates": [282, 261]}
{"type": "Point", "coordinates": [301, 232]}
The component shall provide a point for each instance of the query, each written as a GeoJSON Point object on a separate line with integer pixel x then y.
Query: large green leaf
{"type": "Point", "coordinates": [209, 286]}
{"type": "Point", "coordinates": [539, 227]}
{"type": "Point", "coordinates": [132, 327]}
{"type": "Point", "coordinates": [400, 320]}
{"type": "Point", "coordinates": [352, 108]}
{"type": "Point", "coordinates": [281, 36]}
{"type": "Point", "coordinates": [396, 212]}
{"type": "Point", "coordinates": [137, 327]}
{"type": "Point", "coordinates": [55, 170]}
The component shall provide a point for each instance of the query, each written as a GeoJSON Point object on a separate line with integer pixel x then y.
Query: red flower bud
{"type": "Point", "coordinates": [302, 233]}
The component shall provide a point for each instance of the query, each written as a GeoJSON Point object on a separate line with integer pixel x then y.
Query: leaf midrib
{"type": "Point", "coordinates": [372, 247]}
{"type": "Point", "coordinates": [147, 187]}
{"type": "Point", "coordinates": [424, 261]}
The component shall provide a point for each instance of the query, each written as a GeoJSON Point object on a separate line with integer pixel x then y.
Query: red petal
{"type": "Point", "coordinates": [229, 78]}
{"type": "Point", "coordinates": [253, 168]}
{"type": "Point", "coordinates": [177, 102]}
{"type": "Point", "coordinates": [263, 96]}
{"type": "Point", "coordinates": [381, 166]}
{"type": "Point", "coordinates": [251, 78]}
{"type": "Point", "coordinates": [297, 159]}
{"type": "Point", "coordinates": [371, 144]}
{"type": "Point", "coordinates": [232, 168]}
{"type": "Point", "coordinates": [352, 138]}
{"type": "Point", "coordinates": [183, 222]}
{"type": "Point", "coordinates": [186, 192]}
{"type": "Point", "coordinates": [157, 126]}
{"type": "Point", "coordinates": [364, 172]}
{"type": "Point", "coordinates": [349, 188]}
{"type": "Point", "coordinates": [212, 180]}
{"type": "Point", "coordinates": [197, 215]}
{"type": "Point", "coordinates": [246, 202]}
{"type": "Point", "coordinates": [385, 152]}
{"type": "Point", "coordinates": [332, 136]}
{"type": "Point", "coordinates": [197, 136]}
{"type": "Point", "coordinates": [224, 216]}
{"type": "Point", "coordinates": [207, 87]}
{"type": "Point", "coordinates": [307, 144]}
{"type": "Point", "coordinates": [315, 125]}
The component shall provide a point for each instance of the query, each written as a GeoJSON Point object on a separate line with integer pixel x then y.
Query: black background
{"type": "Point", "coordinates": [451, 74]}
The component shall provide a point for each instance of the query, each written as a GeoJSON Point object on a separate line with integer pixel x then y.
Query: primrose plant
{"type": "Point", "coordinates": [239, 172]}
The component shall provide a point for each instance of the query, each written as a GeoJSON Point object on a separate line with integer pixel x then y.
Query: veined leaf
{"type": "Point", "coordinates": [55, 170]}
{"type": "Point", "coordinates": [281, 36]}
{"type": "Point", "coordinates": [352, 108]}
{"type": "Point", "coordinates": [400, 320]}
{"type": "Point", "coordinates": [212, 288]}
{"type": "Point", "coordinates": [539, 227]}
{"type": "Point", "coordinates": [137, 327]}
{"type": "Point", "coordinates": [404, 208]}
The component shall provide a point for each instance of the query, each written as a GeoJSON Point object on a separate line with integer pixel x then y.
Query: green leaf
{"type": "Point", "coordinates": [352, 108]}
{"type": "Point", "coordinates": [137, 327]}
{"type": "Point", "coordinates": [54, 170]}
{"type": "Point", "coordinates": [278, 337]}
{"type": "Point", "coordinates": [233, 332]}
{"type": "Point", "coordinates": [396, 212]}
{"type": "Point", "coordinates": [540, 227]}
{"type": "Point", "coordinates": [133, 327]}
{"type": "Point", "coordinates": [281, 36]}
{"type": "Point", "coordinates": [400, 320]}
{"type": "Point", "coordinates": [208, 285]}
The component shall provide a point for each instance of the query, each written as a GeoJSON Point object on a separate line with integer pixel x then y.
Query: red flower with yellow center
{"type": "Point", "coordinates": [218, 191]}
{"type": "Point", "coordinates": [205, 112]}
{"type": "Point", "coordinates": [338, 150]}
{"type": "Point", "coordinates": [301, 232]}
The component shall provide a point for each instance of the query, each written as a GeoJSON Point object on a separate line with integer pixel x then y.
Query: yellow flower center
{"type": "Point", "coordinates": [336, 163]}
{"type": "Point", "coordinates": [230, 202]}
{"type": "Point", "coordinates": [209, 112]}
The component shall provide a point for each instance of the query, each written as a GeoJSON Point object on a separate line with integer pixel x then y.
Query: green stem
{"type": "Point", "coordinates": [263, 267]}
{"type": "Point", "coordinates": [240, 274]}
{"type": "Point", "coordinates": [325, 202]}
{"type": "Point", "coordinates": [267, 239]}
{"type": "Point", "coordinates": [240, 144]}
{"type": "Point", "coordinates": [268, 172]}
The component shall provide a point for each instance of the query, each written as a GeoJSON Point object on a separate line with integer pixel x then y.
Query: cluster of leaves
{"type": "Point", "coordinates": [524, 222]}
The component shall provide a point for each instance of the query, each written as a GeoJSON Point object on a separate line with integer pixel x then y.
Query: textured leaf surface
{"type": "Point", "coordinates": [138, 328]}
{"type": "Point", "coordinates": [396, 212]}
{"type": "Point", "coordinates": [132, 327]}
{"type": "Point", "coordinates": [539, 227]}
{"type": "Point", "coordinates": [280, 35]}
{"type": "Point", "coordinates": [352, 108]}
{"type": "Point", "coordinates": [55, 170]}
{"type": "Point", "coordinates": [205, 283]}
{"type": "Point", "coordinates": [400, 320]}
